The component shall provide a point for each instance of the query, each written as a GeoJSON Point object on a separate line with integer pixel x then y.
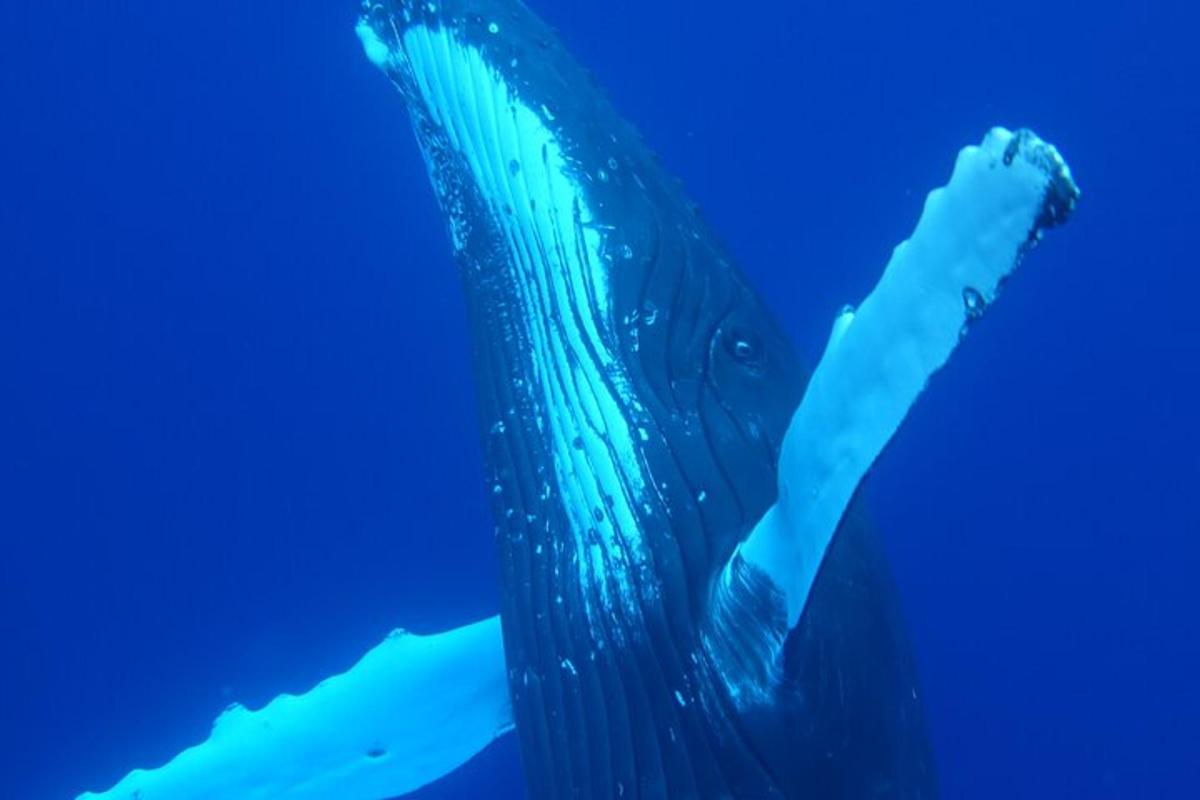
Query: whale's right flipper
{"type": "Point", "coordinates": [971, 236]}
{"type": "Point", "coordinates": [412, 710]}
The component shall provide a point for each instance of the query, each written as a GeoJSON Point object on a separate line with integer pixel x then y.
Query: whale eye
{"type": "Point", "coordinates": [745, 347]}
{"type": "Point", "coordinates": [744, 350]}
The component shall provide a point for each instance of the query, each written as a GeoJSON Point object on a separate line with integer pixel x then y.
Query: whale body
{"type": "Point", "coordinates": [634, 393]}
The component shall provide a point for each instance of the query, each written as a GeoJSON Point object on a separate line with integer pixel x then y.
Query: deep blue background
{"type": "Point", "coordinates": [237, 432]}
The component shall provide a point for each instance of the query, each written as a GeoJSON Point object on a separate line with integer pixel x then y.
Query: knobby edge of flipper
{"type": "Point", "coordinates": [971, 236]}
{"type": "Point", "coordinates": [412, 710]}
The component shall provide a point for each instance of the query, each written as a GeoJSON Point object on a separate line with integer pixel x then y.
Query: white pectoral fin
{"type": "Point", "coordinates": [971, 236]}
{"type": "Point", "coordinates": [413, 709]}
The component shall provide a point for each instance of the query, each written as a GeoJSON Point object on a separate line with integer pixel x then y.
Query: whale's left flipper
{"type": "Point", "coordinates": [972, 234]}
{"type": "Point", "coordinates": [412, 710]}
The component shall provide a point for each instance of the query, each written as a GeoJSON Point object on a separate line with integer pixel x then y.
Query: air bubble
{"type": "Point", "coordinates": [493, 28]}
{"type": "Point", "coordinates": [974, 303]}
{"type": "Point", "coordinates": [650, 314]}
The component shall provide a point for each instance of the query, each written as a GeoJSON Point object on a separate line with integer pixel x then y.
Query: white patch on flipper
{"type": "Point", "coordinates": [412, 710]}
{"type": "Point", "coordinates": [561, 272]}
{"type": "Point", "coordinates": [840, 326]}
{"type": "Point", "coordinates": [970, 237]}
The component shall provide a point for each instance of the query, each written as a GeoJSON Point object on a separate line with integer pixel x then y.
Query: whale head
{"type": "Point", "coordinates": [625, 364]}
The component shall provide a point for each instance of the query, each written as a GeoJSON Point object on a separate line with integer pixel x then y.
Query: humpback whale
{"type": "Point", "coordinates": [693, 605]}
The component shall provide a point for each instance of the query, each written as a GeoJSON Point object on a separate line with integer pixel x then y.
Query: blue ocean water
{"type": "Point", "coordinates": [237, 429]}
